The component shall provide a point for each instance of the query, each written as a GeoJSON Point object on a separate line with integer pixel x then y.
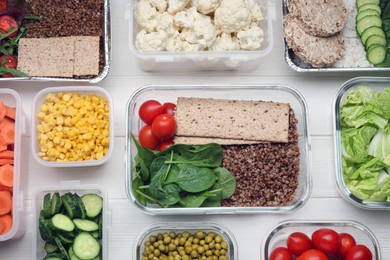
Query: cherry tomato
{"type": "Point", "coordinates": [298, 243]}
{"type": "Point", "coordinates": [147, 138]}
{"type": "Point", "coordinates": [164, 126]}
{"type": "Point", "coordinates": [7, 75]}
{"type": "Point", "coordinates": [7, 24]}
{"type": "Point", "coordinates": [165, 144]}
{"type": "Point", "coordinates": [9, 61]}
{"type": "Point", "coordinates": [359, 252]}
{"type": "Point", "coordinates": [346, 242]}
{"type": "Point", "coordinates": [3, 5]}
{"type": "Point", "coordinates": [327, 240]}
{"type": "Point", "coordinates": [312, 254]}
{"type": "Point", "coordinates": [169, 108]}
{"type": "Point", "coordinates": [280, 253]}
{"type": "Point", "coordinates": [149, 110]}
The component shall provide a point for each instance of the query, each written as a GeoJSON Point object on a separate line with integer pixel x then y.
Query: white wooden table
{"type": "Point", "coordinates": [127, 221]}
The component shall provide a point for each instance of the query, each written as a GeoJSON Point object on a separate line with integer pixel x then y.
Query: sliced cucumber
{"type": "Point", "coordinates": [370, 6]}
{"type": "Point", "coordinates": [55, 204]}
{"type": "Point", "coordinates": [62, 223]}
{"type": "Point", "coordinates": [54, 256]}
{"type": "Point", "coordinates": [61, 248]}
{"type": "Point", "coordinates": [46, 206]}
{"type": "Point", "coordinates": [68, 240]}
{"type": "Point", "coordinates": [384, 3]}
{"type": "Point", "coordinates": [44, 229]}
{"type": "Point", "coordinates": [71, 205]}
{"type": "Point", "coordinates": [376, 54]}
{"type": "Point", "coordinates": [367, 22]}
{"type": "Point", "coordinates": [360, 3]}
{"type": "Point", "coordinates": [85, 225]}
{"type": "Point", "coordinates": [93, 204]}
{"type": "Point", "coordinates": [95, 234]}
{"type": "Point", "coordinates": [86, 246]}
{"type": "Point", "coordinates": [50, 248]}
{"type": "Point", "coordinates": [375, 39]}
{"type": "Point", "coordinates": [365, 13]}
{"type": "Point", "coordinates": [372, 31]}
{"type": "Point", "coordinates": [79, 201]}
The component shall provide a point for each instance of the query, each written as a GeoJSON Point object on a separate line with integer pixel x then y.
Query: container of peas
{"type": "Point", "coordinates": [187, 240]}
{"type": "Point", "coordinates": [72, 126]}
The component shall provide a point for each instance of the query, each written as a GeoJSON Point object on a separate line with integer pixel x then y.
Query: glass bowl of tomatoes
{"type": "Point", "coordinates": [320, 240]}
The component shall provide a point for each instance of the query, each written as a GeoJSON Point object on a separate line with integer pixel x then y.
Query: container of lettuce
{"type": "Point", "coordinates": [362, 142]}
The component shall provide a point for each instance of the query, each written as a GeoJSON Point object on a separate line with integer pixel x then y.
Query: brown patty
{"type": "Point", "coordinates": [317, 51]}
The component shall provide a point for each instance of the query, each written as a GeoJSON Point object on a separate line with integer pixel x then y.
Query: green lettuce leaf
{"type": "Point", "coordinates": [380, 145]}
{"type": "Point", "coordinates": [355, 143]}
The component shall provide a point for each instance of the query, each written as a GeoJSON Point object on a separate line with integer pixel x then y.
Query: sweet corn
{"type": "Point", "coordinates": [73, 127]}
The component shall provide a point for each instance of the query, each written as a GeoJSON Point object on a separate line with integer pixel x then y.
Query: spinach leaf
{"type": "Point", "coordinates": [141, 168]}
{"type": "Point", "coordinates": [227, 181]}
{"type": "Point", "coordinates": [171, 195]}
{"type": "Point", "coordinates": [158, 166]}
{"type": "Point", "coordinates": [194, 179]}
{"type": "Point", "coordinates": [195, 200]}
{"type": "Point", "coordinates": [141, 196]}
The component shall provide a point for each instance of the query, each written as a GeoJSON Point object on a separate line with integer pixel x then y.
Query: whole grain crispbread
{"type": "Point", "coordinates": [51, 57]}
{"type": "Point", "coordinates": [86, 55]}
{"type": "Point", "coordinates": [317, 51]}
{"type": "Point", "coordinates": [232, 119]}
{"type": "Point", "coordinates": [190, 140]}
{"type": "Point", "coordinates": [321, 18]}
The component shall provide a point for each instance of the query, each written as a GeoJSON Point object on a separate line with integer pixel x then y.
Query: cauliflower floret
{"type": "Point", "coordinates": [251, 39]}
{"type": "Point", "coordinates": [153, 41]}
{"type": "Point", "coordinates": [232, 16]}
{"type": "Point", "coordinates": [147, 16]}
{"type": "Point", "coordinates": [161, 5]}
{"type": "Point", "coordinates": [166, 24]}
{"type": "Point", "coordinates": [202, 33]}
{"type": "Point", "coordinates": [256, 14]}
{"type": "Point", "coordinates": [191, 47]}
{"type": "Point", "coordinates": [175, 6]}
{"type": "Point", "coordinates": [206, 6]}
{"type": "Point", "coordinates": [174, 43]}
{"type": "Point", "coordinates": [225, 42]}
{"type": "Point", "coordinates": [187, 18]}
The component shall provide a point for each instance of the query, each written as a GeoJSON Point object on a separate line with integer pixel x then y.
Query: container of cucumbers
{"type": "Point", "coordinates": [70, 222]}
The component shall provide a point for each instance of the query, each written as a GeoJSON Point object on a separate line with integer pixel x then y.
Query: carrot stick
{"type": "Point", "coordinates": [1, 226]}
{"type": "Point", "coordinates": [5, 202]}
{"type": "Point", "coordinates": [6, 161]}
{"type": "Point", "coordinates": [7, 131]}
{"type": "Point", "coordinates": [7, 154]}
{"type": "Point", "coordinates": [10, 112]}
{"type": "Point", "coordinates": [6, 188]}
{"type": "Point", "coordinates": [3, 110]}
{"type": "Point", "coordinates": [7, 175]}
{"type": "Point", "coordinates": [7, 223]}
{"type": "Point", "coordinates": [3, 147]}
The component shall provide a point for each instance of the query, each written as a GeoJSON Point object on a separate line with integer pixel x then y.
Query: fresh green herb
{"type": "Point", "coordinates": [181, 176]}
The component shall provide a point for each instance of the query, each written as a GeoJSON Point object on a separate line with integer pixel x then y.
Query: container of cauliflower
{"type": "Point", "coordinates": [200, 34]}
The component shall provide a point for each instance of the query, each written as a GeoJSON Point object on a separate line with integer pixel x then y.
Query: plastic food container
{"type": "Point", "coordinates": [12, 99]}
{"type": "Point", "coordinates": [276, 93]}
{"type": "Point", "coordinates": [38, 101]}
{"type": "Point", "coordinates": [376, 84]}
{"type": "Point", "coordinates": [191, 227]}
{"type": "Point", "coordinates": [203, 60]}
{"type": "Point", "coordinates": [38, 251]}
{"type": "Point", "coordinates": [278, 235]}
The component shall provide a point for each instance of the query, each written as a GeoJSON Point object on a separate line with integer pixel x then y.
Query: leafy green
{"type": "Point", "coordinates": [365, 138]}
{"type": "Point", "coordinates": [181, 176]}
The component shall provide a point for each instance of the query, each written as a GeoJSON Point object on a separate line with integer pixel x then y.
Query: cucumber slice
{"type": "Point", "coordinates": [62, 223]}
{"type": "Point", "coordinates": [376, 54]}
{"type": "Point", "coordinates": [72, 207]}
{"type": "Point", "coordinates": [93, 204]}
{"type": "Point", "coordinates": [50, 248]}
{"type": "Point", "coordinates": [86, 246]}
{"type": "Point", "coordinates": [372, 31]}
{"type": "Point", "coordinates": [360, 3]}
{"type": "Point", "coordinates": [367, 22]}
{"type": "Point", "coordinates": [95, 234]}
{"type": "Point", "coordinates": [375, 39]}
{"type": "Point", "coordinates": [383, 4]}
{"type": "Point", "coordinates": [85, 225]}
{"type": "Point", "coordinates": [55, 204]}
{"type": "Point", "coordinates": [61, 248]}
{"type": "Point", "coordinates": [53, 256]}
{"type": "Point", "coordinates": [46, 206]}
{"type": "Point", "coordinates": [44, 229]}
{"type": "Point", "coordinates": [83, 211]}
{"type": "Point", "coordinates": [365, 13]}
{"type": "Point", "coordinates": [370, 6]}
{"type": "Point", "coordinates": [68, 240]}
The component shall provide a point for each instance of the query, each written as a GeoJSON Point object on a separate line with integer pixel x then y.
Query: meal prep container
{"type": "Point", "coordinates": [106, 52]}
{"type": "Point", "coordinates": [278, 235]}
{"type": "Point", "coordinates": [192, 227]}
{"type": "Point", "coordinates": [296, 64]}
{"type": "Point", "coordinates": [38, 251]}
{"type": "Point", "coordinates": [276, 93]}
{"type": "Point", "coordinates": [12, 99]}
{"type": "Point", "coordinates": [203, 60]}
{"type": "Point", "coordinates": [38, 101]}
{"type": "Point", "coordinates": [376, 84]}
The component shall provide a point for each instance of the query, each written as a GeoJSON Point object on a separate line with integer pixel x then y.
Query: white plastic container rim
{"type": "Point", "coordinates": [75, 187]}
{"type": "Point", "coordinates": [38, 99]}
{"type": "Point", "coordinates": [18, 224]}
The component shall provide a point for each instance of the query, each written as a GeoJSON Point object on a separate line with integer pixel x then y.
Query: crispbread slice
{"type": "Point", "coordinates": [232, 119]}
{"type": "Point", "coordinates": [86, 55]}
{"type": "Point", "coordinates": [190, 140]}
{"type": "Point", "coordinates": [50, 57]}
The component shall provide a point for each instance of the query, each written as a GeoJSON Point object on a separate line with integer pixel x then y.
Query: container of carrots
{"type": "Point", "coordinates": [11, 190]}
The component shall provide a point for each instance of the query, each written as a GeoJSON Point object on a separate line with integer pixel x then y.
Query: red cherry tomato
{"type": "Point", "coordinates": [346, 242]}
{"type": "Point", "coordinates": [280, 253]}
{"type": "Point", "coordinates": [7, 24]}
{"type": "Point", "coordinates": [9, 61]}
{"type": "Point", "coordinates": [149, 110]}
{"type": "Point", "coordinates": [3, 5]}
{"type": "Point", "coordinates": [165, 144]}
{"type": "Point", "coordinates": [147, 139]}
{"type": "Point", "coordinates": [164, 126]}
{"type": "Point", "coordinates": [312, 254]}
{"type": "Point", "coordinates": [327, 240]}
{"type": "Point", "coordinates": [298, 243]}
{"type": "Point", "coordinates": [7, 75]}
{"type": "Point", "coordinates": [359, 252]}
{"type": "Point", "coordinates": [169, 108]}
